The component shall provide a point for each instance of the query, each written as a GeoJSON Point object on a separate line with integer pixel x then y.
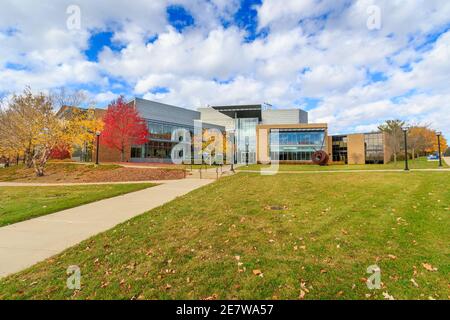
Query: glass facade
{"type": "Point", "coordinates": [246, 138]}
{"type": "Point", "coordinates": [296, 144]}
{"type": "Point", "coordinates": [160, 144]}
{"type": "Point", "coordinates": [374, 145]}
{"type": "Point", "coordinates": [340, 149]}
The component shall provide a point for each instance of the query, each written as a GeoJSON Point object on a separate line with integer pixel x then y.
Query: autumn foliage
{"type": "Point", "coordinates": [60, 152]}
{"type": "Point", "coordinates": [123, 127]}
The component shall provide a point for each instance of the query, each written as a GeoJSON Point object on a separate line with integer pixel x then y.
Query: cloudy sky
{"type": "Point", "coordinates": [334, 58]}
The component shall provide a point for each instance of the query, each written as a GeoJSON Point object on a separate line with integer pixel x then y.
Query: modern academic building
{"type": "Point", "coordinates": [260, 134]}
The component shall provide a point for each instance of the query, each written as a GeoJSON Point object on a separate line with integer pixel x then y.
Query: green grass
{"type": "Point", "coordinates": [23, 203]}
{"type": "Point", "coordinates": [331, 230]}
{"type": "Point", "coordinates": [420, 163]}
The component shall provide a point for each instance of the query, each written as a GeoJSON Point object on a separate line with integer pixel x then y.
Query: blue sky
{"type": "Point", "coordinates": [352, 64]}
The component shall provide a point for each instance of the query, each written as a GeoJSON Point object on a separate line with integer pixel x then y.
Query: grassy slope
{"type": "Point", "coordinates": [21, 172]}
{"type": "Point", "coordinates": [23, 203]}
{"type": "Point", "coordinates": [333, 229]}
{"type": "Point", "coordinates": [420, 163]}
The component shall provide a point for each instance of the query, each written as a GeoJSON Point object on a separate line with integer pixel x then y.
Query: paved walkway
{"type": "Point", "coordinates": [447, 160]}
{"type": "Point", "coordinates": [25, 243]}
{"type": "Point", "coordinates": [59, 184]}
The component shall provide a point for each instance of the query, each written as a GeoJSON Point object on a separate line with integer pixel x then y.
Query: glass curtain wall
{"type": "Point", "coordinates": [296, 145]}
{"type": "Point", "coordinates": [246, 138]}
{"type": "Point", "coordinates": [160, 144]}
{"type": "Point", "coordinates": [374, 147]}
{"type": "Point", "coordinates": [340, 149]}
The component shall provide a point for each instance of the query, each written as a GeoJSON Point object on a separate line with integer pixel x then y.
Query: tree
{"type": "Point", "coordinates": [393, 131]}
{"type": "Point", "coordinates": [123, 127]}
{"type": "Point", "coordinates": [81, 127]}
{"type": "Point", "coordinates": [62, 97]}
{"type": "Point", "coordinates": [420, 139]}
{"type": "Point", "coordinates": [30, 127]}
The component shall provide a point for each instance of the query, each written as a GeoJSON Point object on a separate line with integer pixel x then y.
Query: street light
{"type": "Point", "coordinates": [98, 146]}
{"type": "Point", "coordinates": [439, 134]}
{"type": "Point", "coordinates": [405, 131]}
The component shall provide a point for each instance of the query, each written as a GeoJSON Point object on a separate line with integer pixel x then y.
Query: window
{"type": "Point", "coordinates": [374, 147]}
{"type": "Point", "coordinates": [296, 145]}
{"type": "Point", "coordinates": [340, 150]}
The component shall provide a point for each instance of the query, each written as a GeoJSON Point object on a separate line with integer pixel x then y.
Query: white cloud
{"type": "Point", "coordinates": [313, 48]}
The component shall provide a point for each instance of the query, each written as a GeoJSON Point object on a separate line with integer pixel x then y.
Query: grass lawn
{"type": "Point", "coordinates": [23, 203]}
{"type": "Point", "coordinates": [225, 241]}
{"type": "Point", "coordinates": [420, 163]}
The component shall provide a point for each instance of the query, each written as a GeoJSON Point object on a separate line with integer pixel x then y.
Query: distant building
{"type": "Point", "coordinates": [260, 134]}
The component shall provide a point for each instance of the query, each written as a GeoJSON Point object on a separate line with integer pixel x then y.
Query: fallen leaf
{"type": "Point", "coordinates": [302, 295]}
{"type": "Point", "coordinates": [257, 272]}
{"type": "Point", "coordinates": [391, 256]}
{"type": "Point", "coordinates": [414, 283]}
{"type": "Point", "coordinates": [429, 267]}
{"type": "Point", "coordinates": [387, 296]}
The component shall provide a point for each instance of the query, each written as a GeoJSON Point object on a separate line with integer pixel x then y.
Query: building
{"type": "Point", "coordinates": [259, 134]}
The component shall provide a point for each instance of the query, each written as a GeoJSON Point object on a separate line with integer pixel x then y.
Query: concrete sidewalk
{"type": "Point", "coordinates": [25, 243]}
{"type": "Point", "coordinates": [68, 184]}
{"type": "Point", "coordinates": [447, 160]}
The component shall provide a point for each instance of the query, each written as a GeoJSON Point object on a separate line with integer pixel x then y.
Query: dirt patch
{"type": "Point", "coordinates": [87, 173]}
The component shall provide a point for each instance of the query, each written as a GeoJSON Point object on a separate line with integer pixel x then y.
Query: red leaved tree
{"type": "Point", "coordinates": [123, 127]}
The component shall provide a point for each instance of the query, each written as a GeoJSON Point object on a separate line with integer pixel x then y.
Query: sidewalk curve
{"type": "Point", "coordinates": [25, 243]}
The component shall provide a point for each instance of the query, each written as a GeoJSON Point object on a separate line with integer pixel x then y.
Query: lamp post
{"type": "Point", "coordinates": [405, 131]}
{"type": "Point", "coordinates": [98, 146]}
{"type": "Point", "coordinates": [439, 134]}
{"type": "Point", "coordinates": [233, 152]}
{"type": "Point", "coordinates": [247, 150]}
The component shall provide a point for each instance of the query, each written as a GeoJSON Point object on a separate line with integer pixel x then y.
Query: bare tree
{"type": "Point", "coordinates": [62, 97]}
{"type": "Point", "coordinates": [393, 130]}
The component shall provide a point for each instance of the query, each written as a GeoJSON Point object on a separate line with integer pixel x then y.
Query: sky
{"type": "Point", "coordinates": [351, 64]}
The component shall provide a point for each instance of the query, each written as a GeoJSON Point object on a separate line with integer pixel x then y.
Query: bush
{"type": "Point", "coordinates": [60, 153]}
{"type": "Point", "coordinates": [447, 153]}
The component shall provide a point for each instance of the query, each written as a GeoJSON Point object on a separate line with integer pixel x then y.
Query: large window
{"type": "Point", "coordinates": [246, 139]}
{"type": "Point", "coordinates": [374, 147]}
{"type": "Point", "coordinates": [295, 145]}
{"type": "Point", "coordinates": [160, 144]}
{"type": "Point", "coordinates": [163, 131]}
{"type": "Point", "coordinates": [340, 149]}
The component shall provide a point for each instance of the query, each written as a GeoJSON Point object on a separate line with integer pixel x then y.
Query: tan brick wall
{"type": "Point", "coordinates": [387, 150]}
{"type": "Point", "coordinates": [356, 149]}
{"type": "Point", "coordinates": [262, 145]}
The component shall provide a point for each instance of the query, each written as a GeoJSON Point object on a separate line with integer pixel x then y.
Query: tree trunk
{"type": "Point", "coordinates": [39, 162]}
{"type": "Point", "coordinates": [29, 159]}
{"type": "Point", "coordinates": [395, 157]}
{"type": "Point", "coordinates": [413, 154]}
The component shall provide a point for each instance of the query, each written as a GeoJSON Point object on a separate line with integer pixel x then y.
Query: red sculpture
{"type": "Point", "coordinates": [320, 158]}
